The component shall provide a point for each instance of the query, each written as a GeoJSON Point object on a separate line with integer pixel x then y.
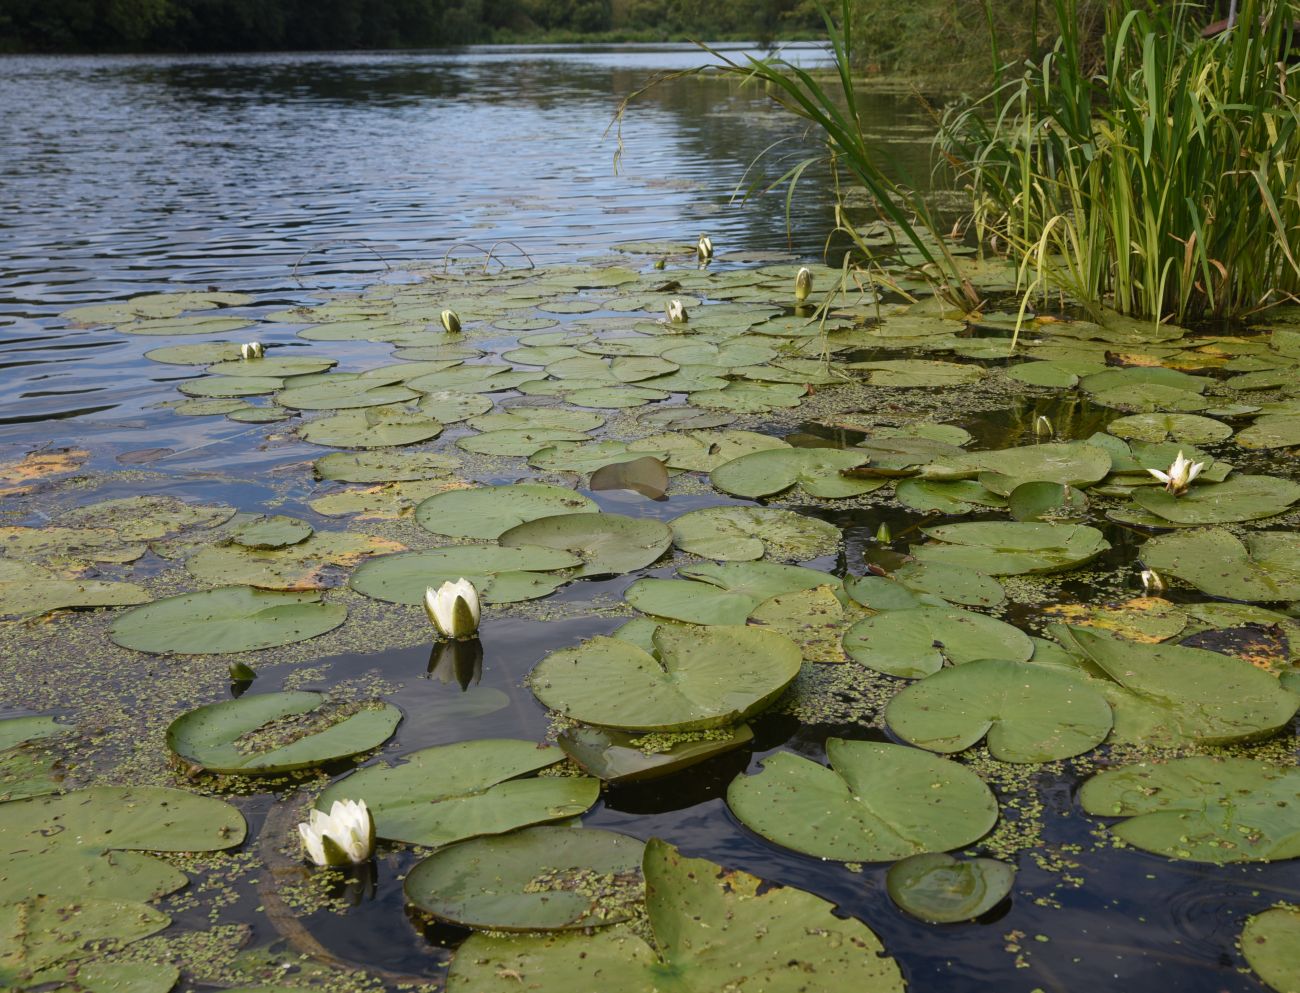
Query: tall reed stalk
{"type": "Point", "coordinates": [1165, 185]}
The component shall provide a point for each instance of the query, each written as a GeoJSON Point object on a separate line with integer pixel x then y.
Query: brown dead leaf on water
{"type": "Point", "coordinates": [35, 466]}
{"type": "Point", "coordinates": [1147, 619]}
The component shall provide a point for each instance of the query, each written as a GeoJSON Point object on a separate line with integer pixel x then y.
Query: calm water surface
{"type": "Point", "coordinates": [287, 175]}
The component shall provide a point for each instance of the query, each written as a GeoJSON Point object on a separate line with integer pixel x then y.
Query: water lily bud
{"type": "Point", "coordinates": [803, 284]}
{"type": "Point", "coordinates": [1151, 581]}
{"type": "Point", "coordinates": [450, 322]}
{"type": "Point", "coordinates": [884, 535]}
{"type": "Point", "coordinates": [453, 608]}
{"type": "Point", "coordinates": [1180, 475]}
{"type": "Point", "coordinates": [344, 836]}
{"type": "Point", "coordinates": [1043, 427]}
{"type": "Point", "coordinates": [676, 312]}
{"type": "Point", "coordinates": [242, 673]}
{"type": "Point", "coordinates": [251, 350]}
{"type": "Point", "coordinates": [704, 248]}
{"type": "Point", "coordinates": [661, 263]}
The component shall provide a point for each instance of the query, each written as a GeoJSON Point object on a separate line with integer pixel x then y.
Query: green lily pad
{"type": "Point", "coordinates": [1008, 549]}
{"type": "Point", "coordinates": [1073, 463]}
{"type": "Point", "coordinates": [745, 397]}
{"type": "Point", "coordinates": [196, 324]}
{"type": "Point", "coordinates": [915, 643]}
{"type": "Point", "coordinates": [745, 533]}
{"type": "Point", "coordinates": [713, 929]}
{"type": "Point", "coordinates": [26, 768]}
{"type": "Point", "coordinates": [819, 472]}
{"type": "Point", "coordinates": [608, 544]}
{"type": "Point", "coordinates": [280, 367]}
{"type": "Point", "coordinates": [958, 496]}
{"type": "Point", "coordinates": [222, 387]}
{"type": "Point", "coordinates": [704, 451]}
{"type": "Point", "coordinates": [448, 793]}
{"type": "Point", "coordinates": [337, 393]}
{"type": "Point", "coordinates": [88, 843]}
{"type": "Point", "coordinates": [544, 878]}
{"type": "Point", "coordinates": [940, 889]}
{"type": "Point", "coordinates": [277, 531]}
{"type": "Point", "coordinates": [915, 373]}
{"type": "Point", "coordinates": [954, 583]}
{"type": "Point", "coordinates": [449, 406]}
{"type": "Point", "coordinates": [1218, 563]}
{"type": "Point", "coordinates": [489, 511]}
{"type": "Point", "coordinates": [501, 575]}
{"type": "Point", "coordinates": [699, 678]}
{"type": "Point", "coordinates": [813, 619]}
{"type": "Point", "coordinates": [521, 443]}
{"type": "Point", "coordinates": [570, 456]}
{"type": "Point", "coordinates": [1239, 498]}
{"type": "Point", "coordinates": [383, 502]}
{"type": "Point", "coordinates": [720, 594]}
{"type": "Point", "coordinates": [1271, 943]}
{"type": "Point", "coordinates": [200, 353]}
{"type": "Point", "coordinates": [221, 621]}
{"type": "Point", "coordinates": [1029, 714]}
{"type": "Point", "coordinates": [384, 467]}
{"type": "Point", "coordinates": [1271, 431]}
{"type": "Point", "coordinates": [27, 589]}
{"type": "Point", "coordinates": [876, 803]}
{"type": "Point", "coordinates": [1202, 809]}
{"type": "Point", "coordinates": [1046, 502]}
{"type": "Point", "coordinates": [316, 562]}
{"type": "Point", "coordinates": [146, 517]}
{"type": "Point", "coordinates": [254, 735]}
{"type": "Point", "coordinates": [1190, 428]}
{"type": "Point", "coordinates": [623, 757]}
{"type": "Point", "coordinates": [371, 428]}
{"type": "Point", "coordinates": [534, 418]}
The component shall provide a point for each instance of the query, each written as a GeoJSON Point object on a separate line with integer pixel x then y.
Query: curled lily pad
{"type": "Point", "coordinates": [820, 472]}
{"type": "Point", "coordinates": [876, 803]}
{"type": "Point", "coordinates": [623, 757]}
{"type": "Point", "coordinates": [1003, 549]}
{"type": "Point", "coordinates": [1271, 943]}
{"type": "Point", "coordinates": [449, 793]}
{"type": "Point", "coordinates": [699, 678]}
{"type": "Point", "coordinates": [231, 619]}
{"type": "Point", "coordinates": [1217, 562]}
{"type": "Point", "coordinates": [713, 930]}
{"type": "Point", "coordinates": [743, 533]}
{"type": "Point", "coordinates": [1029, 714]}
{"type": "Point", "coordinates": [915, 643]}
{"type": "Point", "coordinates": [489, 511]}
{"type": "Point", "coordinates": [647, 476]}
{"type": "Point", "coordinates": [87, 843]}
{"type": "Point", "coordinates": [543, 878]}
{"type": "Point", "coordinates": [608, 544]}
{"type": "Point", "coordinates": [941, 889]}
{"type": "Point", "coordinates": [1203, 809]}
{"type": "Point", "coordinates": [277, 732]}
{"type": "Point", "coordinates": [502, 575]}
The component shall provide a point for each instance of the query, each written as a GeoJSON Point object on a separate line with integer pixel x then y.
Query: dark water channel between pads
{"type": "Point", "coordinates": [287, 176]}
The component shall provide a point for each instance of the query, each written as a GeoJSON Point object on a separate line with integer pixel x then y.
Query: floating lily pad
{"type": "Point", "coordinates": [146, 517]}
{"type": "Point", "coordinates": [220, 387]}
{"type": "Point", "coordinates": [876, 803]}
{"type": "Point", "coordinates": [622, 757]}
{"type": "Point", "coordinates": [608, 544]}
{"type": "Point", "coordinates": [704, 451]}
{"type": "Point", "coordinates": [27, 589]}
{"type": "Point", "coordinates": [502, 575]}
{"type": "Point", "coordinates": [534, 418]}
{"type": "Point", "coordinates": [278, 732]}
{"type": "Point", "coordinates": [384, 467]}
{"type": "Point", "coordinates": [743, 397]}
{"type": "Point", "coordinates": [312, 564]}
{"type": "Point", "coordinates": [813, 619]}
{"type": "Point", "coordinates": [714, 930]}
{"type": "Point", "coordinates": [1191, 428]}
{"type": "Point", "coordinates": [1271, 943]}
{"type": "Point", "coordinates": [699, 678]}
{"type": "Point", "coordinates": [277, 531]}
{"type": "Point", "coordinates": [954, 583]}
{"type": "Point", "coordinates": [1271, 431]}
{"type": "Point", "coordinates": [569, 456]}
{"type": "Point", "coordinates": [647, 476]}
{"type": "Point", "coordinates": [914, 373]}
{"type": "Point", "coordinates": [521, 443]}
{"type": "Point", "coordinates": [745, 533]}
{"type": "Point", "coordinates": [720, 594]}
{"type": "Point", "coordinates": [915, 643]}
{"type": "Point", "coordinates": [200, 353]}
{"type": "Point", "coordinates": [542, 878]}
{"type": "Point", "coordinates": [819, 472]}
{"type": "Point", "coordinates": [448, 793]}
{"type": "Point", "coordinates": [1008, 549]}
{"type": "Point", "coordinates": [383, 502]}
{"type": "Point", "coordinates": [338, 393]}
{"type": "Point", "coordinates": [86, 843]}
{"type": "Point", "coordinates": [1218, 563]}
{"type": "Point", "coordinates": [1046, 502]}
{"type": "Point", "coordinates": [371, 428]}
{"type": "Point", "coordinates": [1029, 714]}
{"type": "Point", "coordinates": [1218, 810]}
{"type": "Point", "coordinates": [450, 406]}
{"type": "Point", "coordinates": [233, 619]}
{"type": "Point", "coordinates": [281, 367]}
{"type": "Point", "coordinates": [940, 889]}
{"type": "Point", "coordinates": [489, 511]}
{"type": "Point", "coordinates": [1146, 619]}
{"type": "Point", "coordinates": [1239, 498]}
{"type": "Point", "coordinates": [958, 496]}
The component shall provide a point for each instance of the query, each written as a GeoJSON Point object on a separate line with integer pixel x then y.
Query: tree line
{"type": "Point", "coordinates": [270, 25]}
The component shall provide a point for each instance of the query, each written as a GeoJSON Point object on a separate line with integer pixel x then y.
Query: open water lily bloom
{"type": "Point", "coordinates": [1180, 475]}
{"type": "Point", "coordinates": [344, 836]}
{"type": "Point", "coordinates": [453, 608]}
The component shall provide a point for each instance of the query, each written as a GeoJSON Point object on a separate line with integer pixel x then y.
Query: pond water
{"type": "Point", "coordinates": [292, 178]}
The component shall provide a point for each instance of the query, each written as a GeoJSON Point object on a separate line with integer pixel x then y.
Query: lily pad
{"type": "Point", "coordinates": [344, 394]}
{"type": "Point", "coordinates": [1190, 428]}
{"type": "Point", "coordinates": [489, 511]}
{"type": "Point", "coordinates": [1265, 567]}
{"type": "Point", "coordinates": [143, 518]}
{"type": "Point", "coordinates": [819, 472]}
{"type": "Point", "coordinates": [371, 428]}
{"type": "Point", "coordinates": [608, 544]}
{"type": "Point", "coordinates": [704, 451]}
{"type": "Point", "coordinates": [450, 406]}
{"type": "Point", "coordinates": [623, 757]}
{"type": "Point", "coordinates": [1271, 943]}
{"type": "Point", "coordinates": [384, 467]}
{"type": "Point", "coordinates": [1008, 549]}
{"type": "Point", "coordinates": [502, 575]}
{"type": "Point", "coordinates": [449, 793]}
{"type": "Point", "coordinates": [277, 531]}
{"type": "Point", "coordinates": [745, 533]}
{"type": "Point", "coordinates": [1046, 502]}
{"type": "Point", "coordinates": [27, 589]}
{"type": "Point", "coordinates": [958, 496]}
{"type": "Point", "coordinates": [713, 930]}
{"type": "Point", "coordinates": [915, 643]}
{"type": "Point", "coordinates": [278, 732]}
{"type": "Point", "coordinates": [813, 619]}
{"type": "Point", "coordinates": [876, 803]}
{"type": "Point", "coordinates": [382, 502]}
{"type": "Point", "coordinates": [720, 594]}
{"type": "Point", "coordinates": [1203, 809]}
{"type": "Point", "coordinates": [87, 843]}
{"type": "Point", "coordinates": [221, 621]}
{"type": "Point", "coordinates": [1271, 431]}
{"type": "Point", "coordinates": [1029, 714]}
{"type": "Point", "coordinates": [1239, 498]}
{"type": "Point", "coordinates": [916, 373]}
{"type": "Point", "coordinates": [544, 878]}
{"type": "Point", "coordinates": [699, 678]}
{"type": "Point", "coordinates": [940, 889]}
{"type": "Point", "coordinates": [312, 564]}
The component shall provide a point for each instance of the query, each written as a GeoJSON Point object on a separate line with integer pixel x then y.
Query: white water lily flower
{"type": "Point", "coordinates": [450, 321]}
{"type": "Point", "coordinates": [344, 836]}
{"type": "Point", "coordinates": [676, 312]}
{"type": "Point", "coordinates": [1043, 427]}
{"type": "Point", "coordinates": [1152, 582]}
{"type": "Point", "coordinates": [1180, 475]}
{"type": "Point", "coordinates": [251, 350]}
{"type": "Point", "coordinates": [803, 284]}
{"type": "Point", "coordinates": [704, 248]}
{"type": "Point", "coordinates": [453, 608]}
